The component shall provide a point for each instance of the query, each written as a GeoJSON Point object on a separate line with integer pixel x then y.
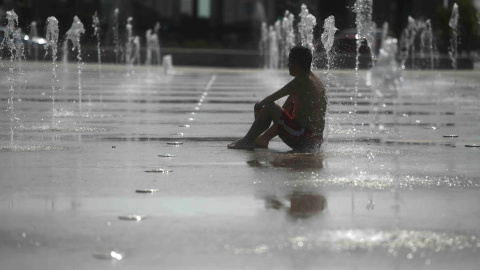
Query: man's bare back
{"type": "Point", "coordinates": [310, 102]}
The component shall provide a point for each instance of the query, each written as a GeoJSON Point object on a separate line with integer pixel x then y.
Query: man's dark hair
{"type": "Point", "coordinates": [302, 56]}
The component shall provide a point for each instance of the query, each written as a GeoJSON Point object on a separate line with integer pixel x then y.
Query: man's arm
{"type": "Point", "coordinates": [284, 91]}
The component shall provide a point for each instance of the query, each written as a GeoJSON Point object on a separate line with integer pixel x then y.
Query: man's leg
{"type": "Point", "coordinates": [270, 112]}
{"type": "Point", "coordinates": [263, 140]}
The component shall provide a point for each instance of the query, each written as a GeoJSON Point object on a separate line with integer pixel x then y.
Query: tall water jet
{"type": "Point", "coordinates": [429, 42]}
{"type": "Point", "coordinates": [412, 30]}
{"type": "Point", "coordinates": [287, 25]}
{"type": "Point", "coordinates": [386, 75]}
{"type": "Point", "coordinates": [116, 35]}
{"type": "Point", "coordinates": [407, 42]}
{"type": "Point", "coordinates": [280, 43]}
{"type": "Point", "coordinates": [273, 48]}
{"type": "Point", "coordinates": [33, 34]}
{"type": "Point", "coordinates": [328, 37]}
{"type": "Point", "coordinates": [263, 44]}
{"type": "Point", "coordinates": [52, 44]}
{"type": "Point", "coordinates": [96, 33]}
{"type": "Point", "coordinates": [156, 38]}
{"type": "Point", "coordinates": [153, 46]}
{"type": "Point", "coordinates": [453, 23]}
{"type": "Point", "coordinates": [129, 56]}
{"type": "Point", "coordinates": [16, 52]}
{"type": "Point", "coordinates": [74, 35]}
{"type": "Point", "coordinates": [136, 45]}
{"type": "Point", "coordinates": [384, 33]}
{"type": "Point", "coordinates": [305, 29]}
{"type": "Point", "coordinates": [363, 21]}
{"type": "Point", "coordinates": [149, 43]}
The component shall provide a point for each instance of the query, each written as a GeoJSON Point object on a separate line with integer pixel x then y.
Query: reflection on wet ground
{"type": "Point", "coordinates": [393, 194]}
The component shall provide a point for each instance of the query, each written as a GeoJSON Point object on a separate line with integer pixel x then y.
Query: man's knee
{"type": "Point", "coordinates": [272, 107]}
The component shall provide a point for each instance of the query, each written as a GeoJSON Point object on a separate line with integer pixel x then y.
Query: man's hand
{"type": "Point", "coordinates": [257, 109]}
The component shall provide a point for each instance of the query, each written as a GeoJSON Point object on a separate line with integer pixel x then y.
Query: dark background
{"type": "Point", "coordinates": [235, 24]}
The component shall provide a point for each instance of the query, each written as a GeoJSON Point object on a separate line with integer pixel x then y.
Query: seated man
{"type": "Point", "coordinates": [301, 120]}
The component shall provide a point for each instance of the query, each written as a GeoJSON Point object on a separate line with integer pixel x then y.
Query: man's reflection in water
{"type": "Point", "coordinates": [294, 161]}
{"type": "Point", "coordinates": [302, 204]}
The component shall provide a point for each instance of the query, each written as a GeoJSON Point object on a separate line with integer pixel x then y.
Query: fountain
{"type": "Point", "coordinates": [74, 35]}
{"type": "Point", "coordinates": [407, 42]}
{"type": "Point", "coordinates": [156, 38]}
{"type": "Point", "coordinates": [453, 51]}
{"type": "Point", "coordinates": [263, 44]}
{"type": "Point", "coordinates": [149, 43]}
{"type": "Point", "coordinates": [287, 25]}
{"type": "Point", "coordinates": [153, 46]}
{"type": "Point", "coordinates": [16, 50]}
{"type": "Point", "coordinates": [273, 57]}
{"type": "Point", "coordinates": [363, 21]}
{"type": "Point", "coordinates": [33, 35]}
{"type": "Point", "coordinates": [116, 36]}
{"type": "Point", "coordinates": [129, 52]}
{"type": "Point", "coordinates": [51, 43]}
{"type": "Point", "coordinates": [305, 29]}
{"type": "Point", "coordinates": [328, 37]}
{"type": "Point", "coordinates": [96, 33]}
{"type": "Point", "coordinates": [137, 47]}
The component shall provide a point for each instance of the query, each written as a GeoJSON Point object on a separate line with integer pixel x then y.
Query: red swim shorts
{"type": "Point", "coordinates": [296, 136]}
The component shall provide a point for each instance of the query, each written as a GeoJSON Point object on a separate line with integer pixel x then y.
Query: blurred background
{"type": "Point", "coordinates": [232, 27]}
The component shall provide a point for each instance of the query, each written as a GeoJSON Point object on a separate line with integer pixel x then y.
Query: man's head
{"type": "Point", "coordinates": [299, 60]}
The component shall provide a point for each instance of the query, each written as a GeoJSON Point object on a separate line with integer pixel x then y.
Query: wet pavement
{"type": "Point", "coordinates": [140, 176]}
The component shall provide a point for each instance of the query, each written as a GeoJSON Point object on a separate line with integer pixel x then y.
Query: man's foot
{"type": "Point", "coordinates": [242, 144]}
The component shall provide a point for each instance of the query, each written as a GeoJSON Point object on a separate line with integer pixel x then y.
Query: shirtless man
{"type": "Point", "coordinates": [301, 120]}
